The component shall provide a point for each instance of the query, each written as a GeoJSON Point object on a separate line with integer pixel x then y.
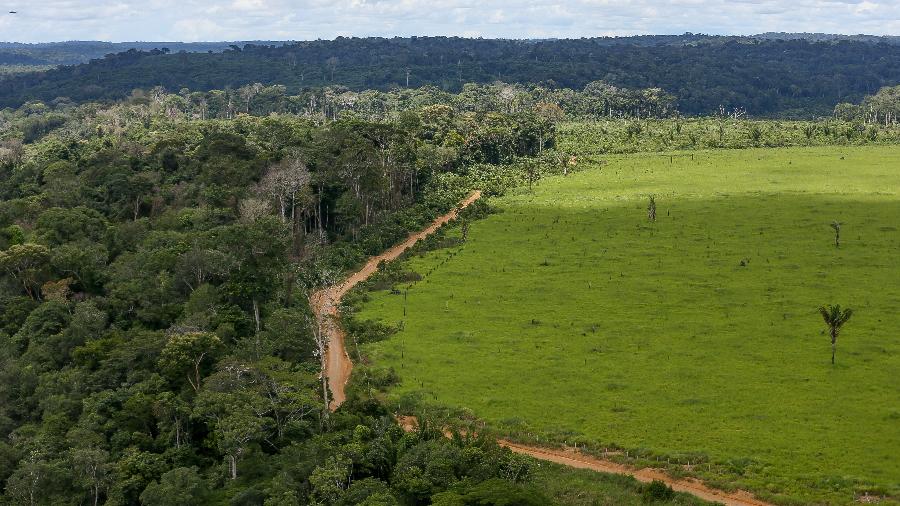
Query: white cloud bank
{"type": "Point", "coordinates": [195, 20]}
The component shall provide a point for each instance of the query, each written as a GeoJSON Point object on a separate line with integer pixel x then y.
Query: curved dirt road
{"type": "Point", "coordinates": [324, 303]}
{"type": "Point", "coordinates": [574, 458]}
{"type": "Point", "coordinates": [338, 367]}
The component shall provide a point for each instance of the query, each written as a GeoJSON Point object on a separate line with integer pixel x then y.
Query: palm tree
{"type": "Point", "coordinates": [835, 318]}
{"type": "Point", "coordinates": [836, 225]}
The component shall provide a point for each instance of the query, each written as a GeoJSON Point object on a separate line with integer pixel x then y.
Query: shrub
{"type": "Point", "coordinates": [658, 491]}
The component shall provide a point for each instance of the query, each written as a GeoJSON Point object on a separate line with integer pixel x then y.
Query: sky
{"type": "Point", "coordinates": [207, 20]}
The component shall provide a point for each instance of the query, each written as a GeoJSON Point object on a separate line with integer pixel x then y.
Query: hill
{"type": "Point", "coordinates": [82, 51]}
{"type": "Point", "coordinates": [783, 78]}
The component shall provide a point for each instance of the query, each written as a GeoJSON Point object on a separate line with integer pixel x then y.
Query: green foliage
{"type": "Point", "coordinates": [658, 491]}
{"type": "Point", "coordinates": [608, 137]}
{"type": "Point", "coordinates": [184, 354]}
{"type": "Point", "coordinates": [177, 487]}
{"type": "Point", "coordinates": [494, 492]}
{"type": "Point", "coordinates": [26, 264]}
{"type": "Point", "coordinates": [565, 485]}
{"type": "Point", "coordinates": [882, 108]}
{"type": "Point", "coordinates": [835, 318]}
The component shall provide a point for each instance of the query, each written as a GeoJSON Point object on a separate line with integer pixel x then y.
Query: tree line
{"type": "Point", "coordinates": [882, 108]}
{"type": "Point", "coordinates": [767, 77]}
{"type": "Point", "coordinates": [546, 106]}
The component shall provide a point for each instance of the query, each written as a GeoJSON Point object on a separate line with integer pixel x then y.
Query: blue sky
{"type": "Point", "coordinates": [198, 20]}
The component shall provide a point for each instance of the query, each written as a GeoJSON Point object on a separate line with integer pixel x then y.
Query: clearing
{"type": "Point", "coordinates": [568, 315]}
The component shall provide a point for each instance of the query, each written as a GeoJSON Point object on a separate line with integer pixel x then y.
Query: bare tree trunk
{"type": "Point", "coordinates": [196, 381]}
{"type": "Point", "coordinates": [256, 314]}
{"type": "Point", "coordinates": [833, 345]}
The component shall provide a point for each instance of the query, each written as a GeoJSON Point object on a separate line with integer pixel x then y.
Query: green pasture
{"type": "Point", "coordinates": [568, 315]}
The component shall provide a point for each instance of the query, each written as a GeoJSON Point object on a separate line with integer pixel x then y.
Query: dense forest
{"type": "Point", "coordinates": [598, 100]}
{"type": "Point", "coordinates": [764, 77]}
{"type": "Point", "coordinates": [156, 346]}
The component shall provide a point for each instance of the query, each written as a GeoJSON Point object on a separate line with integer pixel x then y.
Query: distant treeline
{"type": "Point", "coordinates": [75, 52]}
{"type": "Point", "coordinates": [81, 51]}
{"type": "Point", "coordinates": [785, 78]}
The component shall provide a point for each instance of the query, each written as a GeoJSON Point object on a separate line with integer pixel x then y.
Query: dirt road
{"type": "Point", "coordinates": [574, 458]}
{"type": "Point", "coordinates": [339, 366]}
{"type": "Point", "coordinates": [324, 303]}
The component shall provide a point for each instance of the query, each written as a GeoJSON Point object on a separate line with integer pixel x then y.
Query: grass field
{"type": "Point", "coordinates": [579, 487]}
{"type": "Point", "coordinates": [569, 314]}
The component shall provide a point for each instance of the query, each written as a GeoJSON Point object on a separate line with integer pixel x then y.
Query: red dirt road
{"type": "Point", "coordinates": [338, 367]}
{"type": "Point", "coordinates": [574, 458]}
{"type": "Point", "coordinates": [324, 303]}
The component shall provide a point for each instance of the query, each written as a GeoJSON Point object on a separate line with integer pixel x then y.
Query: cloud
{"type": "Point", "coordinates": [125, 20]}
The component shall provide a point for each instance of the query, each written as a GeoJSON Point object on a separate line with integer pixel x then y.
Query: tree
{"type": "Point", "coordinates": [177, 487]}
{"type": "Point", "coordinates": [91, 466]}
{"type": "Point", "coordinates": [289, 394]}
{"type": "Point", "coordinates": [173, 414]}
{"type": "Point", "coordinates": [835, 318]}
{"type": "Point", "coordinates": [332, 478]}
{"type": "Point", "coordinates": [252, 209]}
{"type": "Point", "coordinates": [651, 209]}
{"type": "Point", "coordinates": [184, 354]}
{"type": "Point", "coordinates": [83, 260]}
{"type": "Point", "coordinates": [234, 432]}
{"type": "Point", "coordinates": [200, 265]}
{"type": "Point", "coordinates": [836, 225]}
{"type": "Point", "coordinates": [287, 183]}
{"type": "Point", "coordinates": [234, 421]}
{"type": "Point", "coordinates": [26, 263]}
{"type": "Point", "coordinates": [30, 481]}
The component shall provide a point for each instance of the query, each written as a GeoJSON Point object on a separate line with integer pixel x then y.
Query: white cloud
{"type": "Point", "coordinates": [120, 20]}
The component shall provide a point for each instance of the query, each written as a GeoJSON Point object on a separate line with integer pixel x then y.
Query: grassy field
{"type": "Point", "coordinates": [569, 314]}
{"type": "Point", "coordinates": [578, 487]}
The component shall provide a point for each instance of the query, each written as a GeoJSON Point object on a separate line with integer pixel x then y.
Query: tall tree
{"type": "Point", "coordinates": [184, 354]}
{"type": "Point", "coordinates": [26, 263]}
{"type": "Point", "coordinates": [835, 318]}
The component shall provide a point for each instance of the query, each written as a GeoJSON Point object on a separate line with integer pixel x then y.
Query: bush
{"type": "Point", "coordinates": [658, 491]}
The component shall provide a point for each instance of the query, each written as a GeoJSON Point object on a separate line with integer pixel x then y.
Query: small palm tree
{"type": "Point", "coordinates": [836, 226]}
{"type": "Point", "coordinates": [835, 318]}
